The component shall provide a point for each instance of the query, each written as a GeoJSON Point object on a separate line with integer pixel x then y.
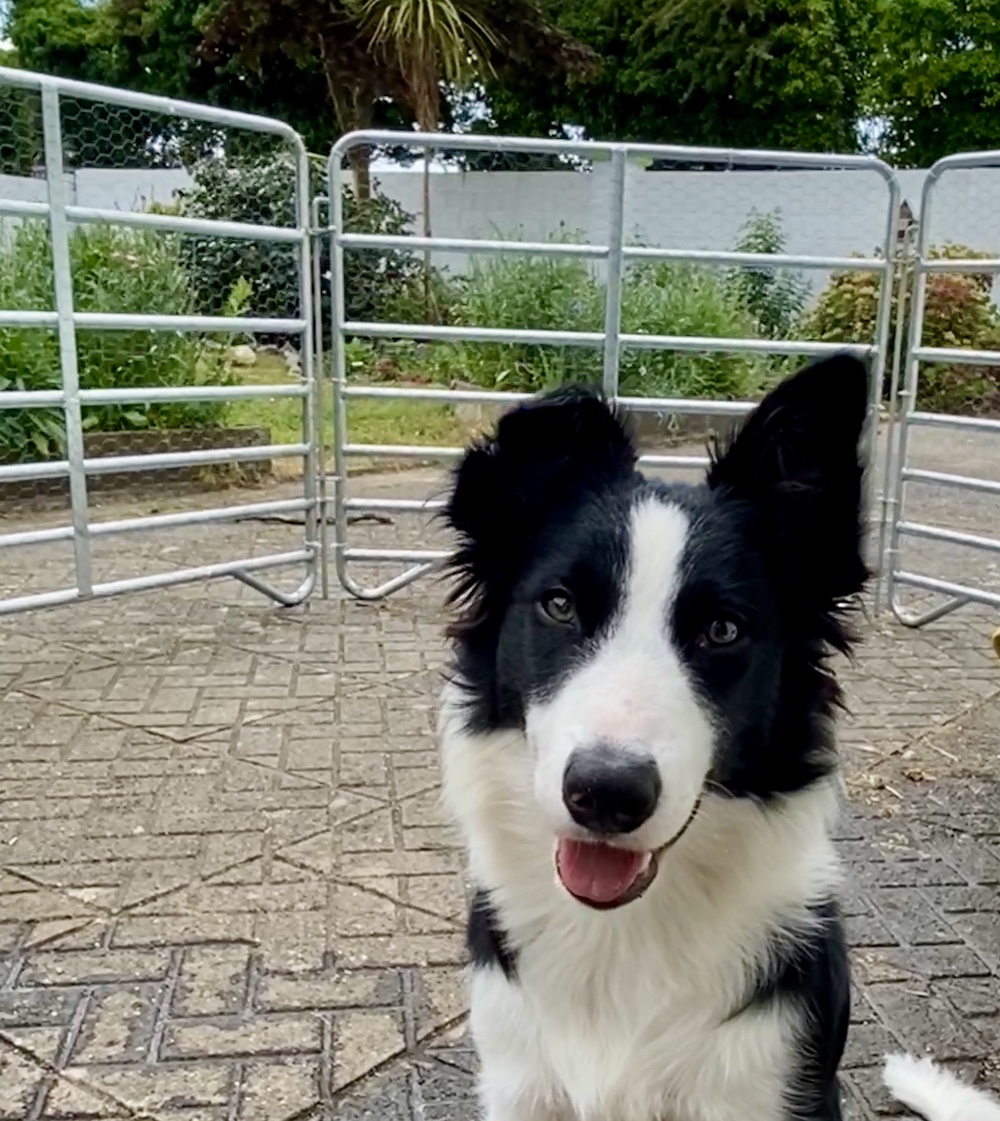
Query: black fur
{"type": "Point", "coordinates": [485, 939]}
{"type": "Point", "coordinates": [774, 542]}
{"type": "Point", "coordinates": [813, 972]}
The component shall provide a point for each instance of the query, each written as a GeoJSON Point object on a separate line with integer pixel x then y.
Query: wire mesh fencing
{"type": "Point", "coordinates": [155, 344]}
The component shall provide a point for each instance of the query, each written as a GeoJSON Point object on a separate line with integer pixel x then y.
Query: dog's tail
{"type": "Point", "coordinates": [935, 1093]}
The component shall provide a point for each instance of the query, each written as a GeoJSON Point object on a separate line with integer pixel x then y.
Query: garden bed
{"type": "Point", "coordinates": [102, 445]}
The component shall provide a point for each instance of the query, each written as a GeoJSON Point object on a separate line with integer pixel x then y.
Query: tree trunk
{"type": "Point", "coordinates": [429, 310]}
{"type": "Point", "coordinates": [351, 110]}
{"type": "Point", "coordinates": [359, 160]}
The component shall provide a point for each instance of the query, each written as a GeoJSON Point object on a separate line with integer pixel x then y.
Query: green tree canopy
{"type": "Point", "coordinates": [746, 73]}
{"type": "Point", "coordinates": [936, 78]}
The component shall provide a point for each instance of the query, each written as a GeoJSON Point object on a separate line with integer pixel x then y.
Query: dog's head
{"type": "Point", "coordinates": [658, 643]}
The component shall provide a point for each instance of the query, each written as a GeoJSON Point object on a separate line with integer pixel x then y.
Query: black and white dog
{"type": "Point", "coordinates": [638, 742]}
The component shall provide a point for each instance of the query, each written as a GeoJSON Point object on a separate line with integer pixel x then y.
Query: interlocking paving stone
{"type": "Point", "coordinates": [228, 891]}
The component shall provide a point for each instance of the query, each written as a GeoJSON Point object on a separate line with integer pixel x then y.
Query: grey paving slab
{"type": "Point", "coordinates": [227, 891]}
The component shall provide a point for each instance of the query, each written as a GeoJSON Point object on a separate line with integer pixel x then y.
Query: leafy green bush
{"type": "Point", "coordinates": [668, 299]}
{"type": "Point", "coordinates": [541, 293]}
{"type": "Point", "coordinates": [378, 284]}
{"type": "Point", "coordinates": [114, 270]}
{"type": "Point", "coordinates": [775, 298]}
{"type": "Point", "coordinates": [958, 313]}
{"type": "Point", "coordinates": [553, 293]}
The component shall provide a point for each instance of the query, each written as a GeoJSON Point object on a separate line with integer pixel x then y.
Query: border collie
{"type": "Point", "coordinates": [935, 1093]}
{"type": "Point", "coordinates": [638, 744]}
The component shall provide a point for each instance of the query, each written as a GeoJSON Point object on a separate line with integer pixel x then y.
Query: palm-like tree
{"type": "Point", "coordinates": [430, 43]}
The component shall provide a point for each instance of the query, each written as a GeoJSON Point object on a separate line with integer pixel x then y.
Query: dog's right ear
{"type": "Point", "coordinates": [509, 482]}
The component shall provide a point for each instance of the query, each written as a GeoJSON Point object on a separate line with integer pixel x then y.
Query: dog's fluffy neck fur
{"type": "Point", "coordinates": [741, 864]}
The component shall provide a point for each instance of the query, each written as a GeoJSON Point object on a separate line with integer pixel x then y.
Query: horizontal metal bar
{"type": "Point", "coordinates": [687, 343]}
{"type": "Point", "coordinates": [176, 223]}
{"type": "Point", "coordinates": [711, 345]}
{"type": "Point", "coordinates": [686, 462]}
{"type": "Point", "coordinates": [755, 260]}
{"type": "Point", "coordinates": [36, 537]}
{"type": "Point", "coordinates": [27, 472]}
{"type": "Point", "coordinates": [38, 599]}
{"type": "Point", "coordinates": [817, 161]}
{"type": "Point", "coordinates": [433, 332]}
{"type": "Point", "coordinates": [23, 208]}
{"type": "Point", "coordinates": [395, 505]}
{"type": "Point", "coordinates": [940, 478]}
{"type": "Point", "coordinates": [403, 451]}
{"type": "Point", "coordinates": [379, 556]}
{"type": "Point", "coordinates": [154, 394]}
{"type": "Point", "coordinates": [247, 512]}
{"type": "Point", "coordinates": [945, 420]}
{"type": "Point", "coordinates": [167, 106]}
{"type": "Point", "coordinates": [12, 318]}
{"type": "Point", "coordinates": [445, 396]}
{"type": "Point", "coordinates": [30, 399]}
{"type": "Point", "coordinates": [938, 354]}
{"type": "Point", "coordinates": [158, 580]}
{"type": "Point", "coordinates": [951, 536]}
{"type": "Point", "coordinates": [670, 405]}
{"type": "Point", "coordinates": [946, 587]}
{"type": "Point", "coordinates": [987, 158]}
{"type": "Point", "coordinates": [664, 405]}
{"type": "Point", "coordinates": [120, 321]}
{"type": "Point", "coordinates": [959, 264]}
{"type": "Point", "coordinates": [472, 245]}
{"type": "Point", "coordinates": [112, 464]}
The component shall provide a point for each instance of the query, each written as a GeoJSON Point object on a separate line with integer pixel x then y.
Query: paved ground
{"type": "Point", "coordinates": [227, 892]}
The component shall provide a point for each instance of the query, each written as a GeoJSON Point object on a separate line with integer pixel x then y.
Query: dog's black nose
{"type": "Point", "coordinates": [607, 790]}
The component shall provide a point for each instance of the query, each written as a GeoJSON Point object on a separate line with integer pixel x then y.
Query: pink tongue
{"type": "Point", "coordinates": [597, 872]}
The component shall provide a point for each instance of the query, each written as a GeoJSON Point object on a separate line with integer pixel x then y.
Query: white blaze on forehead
{"type": "Point", "coordinates": [633, 690]}
{"type": "Point", "coordinates": [636, 654]}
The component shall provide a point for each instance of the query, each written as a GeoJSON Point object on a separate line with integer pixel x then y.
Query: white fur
{"type": "Point", "coordinates": [620, 1016]}
{"type": "Point", "coordinates": [935, 1093]}
{"type": "Point", "coordinates": [633, 692]}
{"type": "Point", "coordinates": [626, 1015]}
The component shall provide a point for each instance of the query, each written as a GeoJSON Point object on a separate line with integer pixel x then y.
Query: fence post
{"type": "Point", "coordinates": [613, 290]}
{"type": "Point", "coordinates": [903, 280]}
{"type": "Point", "coordinates": [55, 182]}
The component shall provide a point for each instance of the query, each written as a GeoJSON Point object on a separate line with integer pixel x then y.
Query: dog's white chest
{"type": "Point", "coordinates": [620, 1046]}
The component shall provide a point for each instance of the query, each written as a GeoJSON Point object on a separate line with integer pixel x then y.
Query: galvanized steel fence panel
{"type": "Point", "coordinates": [615, 254]}
{"type": "Point", "coordinates": [48, 98]}
{"type": "Point", "coordinates": [904, 475]}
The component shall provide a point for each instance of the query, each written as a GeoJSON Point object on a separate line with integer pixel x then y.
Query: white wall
{"type": "Point", "coordinates": [824, 212]}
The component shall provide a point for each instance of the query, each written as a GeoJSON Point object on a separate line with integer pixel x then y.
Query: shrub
{"type": "Point", "coordinates": [775, 298]}
{"type": "Point", "coordinates": [379, 284]}
{"type": "Point", "coordinates": [958, 313]}
{"type": "Point", "coordinates": [553, 293]}
{"type": "Point", "coordinates": [542, 293]}
{"type": "Point", "coordinates": [114, 270]}
{"type": "Point", "coordinates": [667, 299]}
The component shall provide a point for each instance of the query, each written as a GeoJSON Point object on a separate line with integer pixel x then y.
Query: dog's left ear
{"type": "Point", "coordinates": [797, 460]}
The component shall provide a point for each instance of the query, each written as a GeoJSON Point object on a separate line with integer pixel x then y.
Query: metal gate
{"type": "Point", "coordinates": [64, 124]}
{"type": "Point", "coordinates": [903, 475]}
{"type": "Point", "coordinates": [615, 255]}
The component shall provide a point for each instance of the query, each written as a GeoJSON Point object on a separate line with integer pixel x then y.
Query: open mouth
{"type": "Point", "coordinates": [603, 876]}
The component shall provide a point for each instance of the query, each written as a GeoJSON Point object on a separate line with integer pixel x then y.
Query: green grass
{"type": "Point", "coordinates": [368, 421]}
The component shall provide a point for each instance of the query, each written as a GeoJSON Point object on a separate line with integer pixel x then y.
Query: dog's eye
{"type": "Point", "coordinates": [721, 632]}
{"type": "Point", "coordinates": [557, 606]}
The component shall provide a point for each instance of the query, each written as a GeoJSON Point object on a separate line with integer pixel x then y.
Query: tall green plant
{"type": "Point", "coordinates": [660, 298]}
{"type": "Point", "coordinates": [542, 293]}
{"type": "Point", "coordinates": [114, 270]}
{"type": "Point", "coordinates": [775, 298]}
